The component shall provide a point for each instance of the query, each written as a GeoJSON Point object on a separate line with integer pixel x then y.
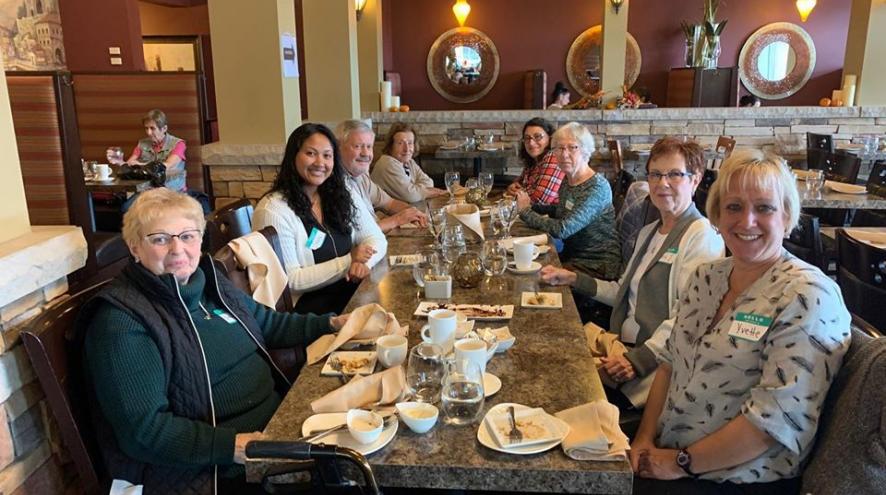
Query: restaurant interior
{"type": "Point", "coordinates": [798, 79]}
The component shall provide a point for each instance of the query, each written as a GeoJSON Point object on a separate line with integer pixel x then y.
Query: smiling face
{"type": "Point", "coordinates": [403, 146]}
{"type": "Point", "coordinates": [315, 160]}
{"type": "Point", "coordinates": [671, 196]}
{"type": "Point", "coordinates": [536, 141]}
{"type": "Point", "coordinates": [356, 152]}
{"type": "Point", "coordinates": [178, 257]}
{"type": "Point", "coordinates": [157, 134]}
{"type": "Point", "coordinates": [752, 223]}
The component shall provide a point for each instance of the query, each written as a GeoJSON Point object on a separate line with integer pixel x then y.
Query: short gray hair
{"type": "Point", "coordinates": [578, 132]}
{"type": "Point", "coordinates": [754, 169]}
{"type": "Point", "coordinates": [158, 203]}
{"type": "Point", "coordinates": [345, 128]}
{"type": "Point", "coordinates": [157, 116]}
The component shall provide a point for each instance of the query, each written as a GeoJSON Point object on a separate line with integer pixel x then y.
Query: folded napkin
{"type": "Point", "coordinates": [594, 434]}
{"type": "Point", "coordinates": [366, 322]}
{"type": "Point", "coordinates": [538, 240]}
{"type": "Point", "coordinates": [468, 215]}
{"type": "Point", "coordinates": [385, 387]}
{"type": "Point", "coordinates": [267, 279]}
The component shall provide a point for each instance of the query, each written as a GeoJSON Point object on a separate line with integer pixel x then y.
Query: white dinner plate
{"type": "Point", "coordinates": [491, 384]}
{"type": "Point", "coordinates": [533, 267]}
{"type": "Point", "coordinates": [844, 188]}
{"type": "Point", "coordinates": [503, 312]}
{"type": "Point", "coordinates": [344, 439]}
{"type": "Point", "coordinates": [487, 439]}
{"type": "Point", "coordinates": [551, 300]}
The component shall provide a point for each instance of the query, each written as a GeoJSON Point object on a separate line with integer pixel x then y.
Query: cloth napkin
{"type": "Point", "coordinates": [267, 279]}
{"type": "Point", "coordinates": [468, 215]}
{"type": "Point", "coordinates": [370, 321]}
{"type": "Point", "coordinates": [385, 387]}
{"type": "Point", "coordinates": [594, 433]}
{"type": "Point", "coordinates": [538, 240]}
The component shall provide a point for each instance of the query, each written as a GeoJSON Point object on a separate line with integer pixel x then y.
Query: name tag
{"type": "Point", "coordinates": [669, 256]}
{"type": "Point", "coordinates": [224, 316]}
{"type": "Point", "coordinates": [569, 205]}
{"type": "Point", "coordinates": [749, 326]}
{"type": "Point", "coordinates": [315, 239]}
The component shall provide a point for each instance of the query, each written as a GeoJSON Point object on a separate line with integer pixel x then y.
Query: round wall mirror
{"type": "Point", "coordinates": [584, 61]}
{"type": "Point", "coordinates": [776, 61]}
{"type": "Point", "coordinates": [463, 65]}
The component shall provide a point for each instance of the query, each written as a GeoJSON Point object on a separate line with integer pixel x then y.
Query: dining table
{"type": "Point", "coordinates": [477, 156]}
{"type": "Point", "coordinates": [116, 185]}
{"type": "Point", "coordinates": [549, 366]}
{"type": "Point", "coordinates": [832, 199]}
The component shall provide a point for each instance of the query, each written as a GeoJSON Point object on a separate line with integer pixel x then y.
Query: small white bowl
{"type": "Point", "coordinates": [364, 426]}
{"type": "Point", "coordinates": [418, 416]}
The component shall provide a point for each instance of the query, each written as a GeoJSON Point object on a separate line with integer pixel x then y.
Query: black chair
{"type": "Point", "coordinates": [57, 358]}
{"type": "Point", "coordinates": [226, 223]}
{"type": "Point", "coordinates": [838, 167]}
{"type": "Point", "coordinates": [824, 142]}
{"type": "Point", "coordinates": [701, 193]}
{"type": "Point", "coordinates": [805, 241]}
{"type": "Point", "coordinates": [877, 179]}
{"type": "Point", "coordinates": [623, 181]}
{"type": "Point", "coordinates": [868, 218]}
{"type": "Point", "coordinates": [861, 274]}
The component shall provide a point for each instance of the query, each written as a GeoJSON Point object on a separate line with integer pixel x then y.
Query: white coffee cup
{"type": "Point", "coordinates": [102, 171]}
{"type": "Point", "coordinates": [442, 324]}
{"type": "Point", "coordinates": [524, 252]}
{"type": "Point", "coordinates": [473, 350]}
{"type": "Point", "coordinates": [391, 350]}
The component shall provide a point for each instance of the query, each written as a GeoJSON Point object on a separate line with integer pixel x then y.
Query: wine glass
{"type": "Point", "coordinates": [424, 372]}
{"type": "Point", "coordinates": [451, 180]}
{"type": "Point", "coordinates": [114, 154]}
{"type": "Point", "coordinates": [453, 242]}
{"type": "Point", "coordinates": [486, 180]}
{"type": "Point", "coordinates": [436, 223]}
{"type": "Point", "coordinates": [495, 257]}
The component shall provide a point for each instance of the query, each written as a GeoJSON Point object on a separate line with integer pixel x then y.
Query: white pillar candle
{"type": "Point", "coordinates": [385, 95]}
{"type": "Point", "coordinates": [395, 102]}
{"type": "Point", "coordinates": [836, 96]}
{"type": "Point", "coordinates": [848, 90]}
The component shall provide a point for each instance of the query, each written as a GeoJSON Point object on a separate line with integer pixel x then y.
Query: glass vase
{"type": "Point", "coordinates": [711, 52]}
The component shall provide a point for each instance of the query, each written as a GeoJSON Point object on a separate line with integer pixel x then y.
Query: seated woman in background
{"type": "Point", "coordinates": [396, 170]}
{"type": "Point", "coordinates": [160, 146]}
{"type": "Point", "coordinates": [584, 218]}
{"type": "Point", "coordinates": [176, 357]}
{"type": "Point", "coordinates": [757, 340]}
{"type": "Point", "coordinates": [559, 97]}
{"type": "Point", "coordinates": [330, 241]}
{"type": "Point", "coordinates": [665, 255]}
{"type": "Point", "coordinates": [541, 177]}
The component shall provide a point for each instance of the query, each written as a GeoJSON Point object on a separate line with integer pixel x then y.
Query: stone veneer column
{"type": "Point", "coordinates": [615, 29]}
{"type": "Point", "coordinates": [370, 55]}
{"type": "Point", "coordinates": [331, 58]}
{"type": "Point", "coordinates": [13, 208]}
{"type": "Point", "coordinates": [866, 50]}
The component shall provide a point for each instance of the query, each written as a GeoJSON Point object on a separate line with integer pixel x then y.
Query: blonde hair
{"type": "Point", "coordinates": [578, 132]}
{"type": "Point", "coordinates": [754, 169]}
{"type": "Point", "coordinates": [155, 204]}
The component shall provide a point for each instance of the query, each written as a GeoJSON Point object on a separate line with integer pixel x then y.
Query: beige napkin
{"type": "Point", "coordinates": [267, 279]}
{"type": "Point", "coordinates": [594, 434]}
{"type": "Point", "coordinates": [606, 344]}
{"type": "Point", "coordinates": [468, 215]}
{"type": "Point", "coordinates": [366, 322]}
{"type": "Point", "coordinates": [538, 240]}
{"type": "Point", "coordinates": [385, 387]}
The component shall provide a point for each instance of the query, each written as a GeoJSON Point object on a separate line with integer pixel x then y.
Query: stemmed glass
{"type": "Point", "coordinates": [486, 180]}
{"type": "Point", "coordinates": [436, 223]}
{"type": "Point", "coordinates": [495, 257]}
{"type": "Point", "coordinates": [507, 211]}
{"type": "Point", "coordinates": [453, 242]}
{"type": "Point", "coordinates": [114, 154]}
{"type": "Point", "coordinates": [424, 372]}
{"type": "Point", "coordinates": [452, 181]}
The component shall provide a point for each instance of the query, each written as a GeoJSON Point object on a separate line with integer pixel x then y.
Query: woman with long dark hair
{"type": "Point", "coordinates": [329, 241]}
{"type": "Point", "coordinates": [541, 178]}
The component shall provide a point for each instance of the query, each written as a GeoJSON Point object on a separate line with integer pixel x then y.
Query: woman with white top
{"type": "Point", "coordinates": [397, 172]}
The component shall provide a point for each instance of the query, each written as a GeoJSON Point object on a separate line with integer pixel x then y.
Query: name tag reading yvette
{"type": "Point", "coordinates": [569, 205]}
{"type": "Point", "coordinates": [224, 316]}
{"type": "Point", "coordinates": [315, 239]}
{"type": "Point", "coordinates": [749, 326]}
{"type": "Point", "coordinates": [669, 256]}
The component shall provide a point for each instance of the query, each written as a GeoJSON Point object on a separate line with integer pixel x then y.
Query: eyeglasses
{"type": "Point", "coordinates": [571, 148]}
{"type": "Point", "coordinates": [535, 137]}
{"type": "Point", "coordinates": [162, 239]}
{"type": "Point", "coordinates": [671, 176]}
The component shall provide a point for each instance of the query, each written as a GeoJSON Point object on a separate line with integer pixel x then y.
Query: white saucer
{"type": "Point", "coordinates": [533, 267]}
{"type": "Point", "coordinates": [486, 438]}
{"type": "Point", "coordinates": [344, 439]}
{"type": "Point", "coordinates": [491, 384]}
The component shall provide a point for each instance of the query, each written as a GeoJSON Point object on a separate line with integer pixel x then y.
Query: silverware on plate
{"type": "Point", "coordinates": [515, 435]}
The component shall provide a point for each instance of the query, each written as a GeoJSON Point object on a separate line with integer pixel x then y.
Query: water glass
{"type": "Point", "coordinates": [431, 264]}
{"type": "Point", "coordinates": [451, 179]}
{"type": "Point", "coordinates": [114, 154]}
{"type": "Point", "coordinates": [486, 181]}
{"type": "Point", "coordinates": [495, 258]}
{"type": "Point", "coordinates": [424, 372]}
{"type": "Point", "coordinates": [499, 226]}
{"type": "Point", "coordinates": [453, 242]}
{"type": "Point", "coordinates": [462, 396]}
{"type": "Point", "coordinates": [814, 183]}
{"type": "Point", "coordinates": [436, 223]}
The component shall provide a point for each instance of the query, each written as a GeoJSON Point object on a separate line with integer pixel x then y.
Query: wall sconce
{"type": "Point", "coordinates": [616, 5]}
{"type": "Point", "coordinates": [461, 9]}
{"type": "Point", "coordinates": [359, 5]}
{"type": "Point", "coordinates": [805, 8]}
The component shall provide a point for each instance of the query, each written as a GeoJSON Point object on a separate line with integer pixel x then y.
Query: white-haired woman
{"type": "Point", "coordinates": [757, 341]}
{"type": "Point", "coordinates": [176, 357]}
{"type": "Point", "coordinates": [584, 218]}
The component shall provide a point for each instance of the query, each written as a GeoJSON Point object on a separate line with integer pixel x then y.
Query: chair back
{"type": "Point", "coordinates": [227, 223]}
{"type": "Point", "coordinates": [637, 211]}
{"type": "Point", "coordinates": [861, 275]}
{"type": "Point", "coordinates": [805, 241]}
{"type": "Point", "coordinates": [823, 142]}
{"type": "Point", "coordinates": [616, 157]}
{"type": "Point", "coordinates": [623, 181]}
{"type": "Point", "coordinates": [57, 360]}
{"type": "Point", "coordinates": [701, 193]}
{"type": "Point", "coordinates": [877, 179]}
{"type": "Point", "coordinates": [844, 169]}
{"type": "Point", "coordinates": [725, 145]}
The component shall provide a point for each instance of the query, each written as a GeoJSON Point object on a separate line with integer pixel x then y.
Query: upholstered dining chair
{"type": "Point", "coordinates": [227, 223]}
{"type": "Point", "coordinates": [861, 274]}
{"type": "Point", "coordinates": [823, 142]}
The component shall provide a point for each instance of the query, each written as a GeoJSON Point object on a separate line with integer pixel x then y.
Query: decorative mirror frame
{"type": "Point", "coordinates": [575, 69]}
{"type": "Point", "coordinates": [445, 87]}
{"type": "Point", "coordinates": [804, 56]}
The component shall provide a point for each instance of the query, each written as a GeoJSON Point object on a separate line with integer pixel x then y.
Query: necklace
{"type": "Point", "coordinates": [207, 316]}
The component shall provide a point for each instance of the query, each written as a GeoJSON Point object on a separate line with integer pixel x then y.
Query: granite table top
{"type": "Point", "coordinates": [832, 199]}
{"type": "Point", "coordinates": [549, 366]}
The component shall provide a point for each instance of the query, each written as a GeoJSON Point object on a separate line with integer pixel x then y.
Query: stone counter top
{"type": "Point", "coordinates": [220, 153]}
{"type": "Point", "coordinates": [38, 258]}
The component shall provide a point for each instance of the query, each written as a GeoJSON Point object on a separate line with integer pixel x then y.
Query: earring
{"type": "Point", "coordinates": [137, 259]}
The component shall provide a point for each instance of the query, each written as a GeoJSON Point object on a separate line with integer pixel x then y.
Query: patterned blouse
{"type": "Point", "coordinates": [778, 381]}
{"type": "Point", "coordinates": [542, 180]}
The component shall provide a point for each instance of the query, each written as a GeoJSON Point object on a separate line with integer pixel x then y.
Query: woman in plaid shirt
{"type": "Point", "coordinates": [541, 177]}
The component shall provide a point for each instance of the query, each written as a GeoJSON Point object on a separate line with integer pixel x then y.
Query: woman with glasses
{"type": "Point", "coordinates": [176, 357]}
{"type": "Point", "coordinates": [541, 178]}
{"type": "Point", "coordinates": [397, 172]}
{"type": "Point", "coordinates": [665, 255]}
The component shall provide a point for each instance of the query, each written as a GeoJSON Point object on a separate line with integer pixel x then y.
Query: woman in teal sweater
{"type": "Point", "coordinates": [176, 356]}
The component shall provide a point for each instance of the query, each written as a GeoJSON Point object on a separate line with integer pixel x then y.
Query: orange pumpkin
{"type": "Point", "coordinates": [404, 108]}
{"type": "Point", "coordinates": [824, 102]}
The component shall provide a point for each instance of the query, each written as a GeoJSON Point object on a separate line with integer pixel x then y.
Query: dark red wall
{"type": "Point", "coordinates": [89, 27]}
{"type": "Point", "coordinates": [532, 35]}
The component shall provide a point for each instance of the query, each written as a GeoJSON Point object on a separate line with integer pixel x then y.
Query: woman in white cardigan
{"type": "Point", "coordinates": [396, 170]}
{"type": "Point", "coordinates": [329, 241]}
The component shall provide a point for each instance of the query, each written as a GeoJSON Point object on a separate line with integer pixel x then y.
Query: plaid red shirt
{"type": "Point", "coordinates": [542, 181]}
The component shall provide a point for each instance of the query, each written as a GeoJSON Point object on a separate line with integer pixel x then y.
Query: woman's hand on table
{"type": "Point", "coordinates": [523, 201]}
{"type": "Point", "coordinates": [659, 464]}
{"type": "Point", "coordinates": [337, 322]}
{"type": "Point", "coordinates": [557, 276]}
{"type": "Point", "coordinates": [433, 192]}
{"type": "Point", "coordinates": [361, 253]}
{"type": "Point", "coordinates": [357, 272]}
{"type": "Point", "coordinates": [412, 215]}
{"type": "Point", "coordinates": [619, 368]}
{"type": "Point", "coordinates": [513, 188]}
{"type": "Point", "coordinates": [638, 447]}
{"type": "Point", "coordinates": [240, 441]}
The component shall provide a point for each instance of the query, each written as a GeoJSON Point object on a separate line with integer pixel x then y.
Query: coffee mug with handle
{"type": "Point", "coordinates": [473, 350]}
{"type": "Point", "coordinates": [391, 350]}
{"type": "Point", "coordinates": [440, 330]}
{"type": "Point", "coordinates": [524, 253]}
{"type": "Point", "coordinates": [102, 171]}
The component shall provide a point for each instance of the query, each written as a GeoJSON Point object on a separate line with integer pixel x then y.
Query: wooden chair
{"type": "Point", "coordinates": [805, 241]}
{"type": "Point", "coordinates": [56, 356]}
{"type": "Point", "coordinates": [861, 274]}
{"type": "Point", "coordinates": [227, 223]}
{"type": "Point", "coordinates": [725, 145]}
{"type": "Point", "coordinates": [701, 193]}
{"type": "Point", "coordinates": [623, 181]}
{"type": "Point", "coordinates": [616, 155]}
{"type": "Point", "coordinates": [823, 142]}
{"type": "Point", "coordinates": [877, 179]}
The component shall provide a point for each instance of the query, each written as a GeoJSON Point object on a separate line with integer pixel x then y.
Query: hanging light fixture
{"type": "Point", "coordinates": [616, 5]}
{"type": "Point", "coordinates": [805, 8]}
{"type": "Point", "coordinates": [461, 9]}
{"type": "Point", "coordinates": [359, 5]}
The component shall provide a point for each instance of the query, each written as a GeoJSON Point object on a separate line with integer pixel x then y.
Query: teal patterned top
{"type": "Point", "coordinates": [585, 221]}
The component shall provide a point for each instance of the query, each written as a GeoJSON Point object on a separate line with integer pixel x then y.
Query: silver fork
{"type": "Point", "coordinates": [515, 435]}
{"type": "Point", "coordinates": [336, 365]}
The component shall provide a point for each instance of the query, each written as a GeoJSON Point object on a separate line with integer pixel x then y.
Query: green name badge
{"type": "Point", "coordinates": [749, 326]}
{"type": "Point", "coordinates": [669, 256]}
{"type": "Point", "coordinates": [224, 316]}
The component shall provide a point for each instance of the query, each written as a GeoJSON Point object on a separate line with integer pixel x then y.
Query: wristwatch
{"type": "Point", "coordinates": [684, 460]}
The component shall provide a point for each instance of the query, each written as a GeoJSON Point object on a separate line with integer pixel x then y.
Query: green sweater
{"type": "Point", "coordinates": [127, 375]}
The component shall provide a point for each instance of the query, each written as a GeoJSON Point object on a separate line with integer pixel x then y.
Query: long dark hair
{"type": "Point", "coordinates": [335, 200]}
{"type": "Point", "coordinates": [549, 128]}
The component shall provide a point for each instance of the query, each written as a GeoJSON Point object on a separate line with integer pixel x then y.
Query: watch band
{"type": "Point", "coordinates": [684, 461]}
